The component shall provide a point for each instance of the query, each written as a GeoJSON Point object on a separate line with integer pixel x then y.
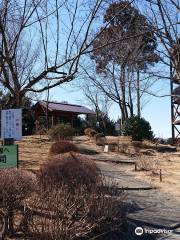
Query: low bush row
{"type": "Point", "coordinates": [66, 199]}
{"type": "Point", "coordinates": [62, 146]}
{"type": "Point", "coordinates": [72, 168]}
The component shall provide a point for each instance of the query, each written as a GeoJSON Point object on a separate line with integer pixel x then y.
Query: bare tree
{"type": "Point", "coordinates": [164, 16]}
{"type": "Point", "coordinates": [98, 100]}
{"type": "Point", "coordinates": [109, 85]}
{"type": "Point", "coordinates": [42, 40]}
{"type": "Point", "coordinates": [119, 65]}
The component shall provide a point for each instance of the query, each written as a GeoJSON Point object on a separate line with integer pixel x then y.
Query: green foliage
{"type": "Point", "coordinates": [28, 122]}
{"type": "Point", "coordinates": [138, 128]}
{"type": "Point", "coordinates": [106, 125]}
{"type": "Point", "coordinates": [61, 131]}
{"type": "Point", "coordinates": [79, 124]}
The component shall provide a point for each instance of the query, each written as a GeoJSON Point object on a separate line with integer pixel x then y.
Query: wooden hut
{"type": "Point", "coordinates": [59, 112]}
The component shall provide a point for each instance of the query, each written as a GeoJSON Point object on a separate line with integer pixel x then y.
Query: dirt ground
{"type": "Point", "coordinates": [170, 168]}
{"type": "Point", "coordinates": [158, 203]}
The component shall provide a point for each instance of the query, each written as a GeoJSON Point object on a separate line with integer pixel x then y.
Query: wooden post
{"type": "Point", "coordinates": [160, 175]}
{"type": "Point", "coordinates": [135, 166]}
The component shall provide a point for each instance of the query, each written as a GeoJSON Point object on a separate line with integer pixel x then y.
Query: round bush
{"type": "Point", "coordinates": [90, 132]}
{"type": "Point", "coordinates": [62, 147]}
{"type": "Point", "coordinates": [138, 128]}
{"type": "Point", "coordinates": [87, 131]}
{"type": "Point", "coordinates": [61, 131]}
{"type": "Point", "coordinates": [16, 185]}
{"type": "Point", "coordinates": [70, 168]}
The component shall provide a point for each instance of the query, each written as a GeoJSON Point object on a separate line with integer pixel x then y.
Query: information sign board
{"type": "Point", "coordinates": [11, 124]}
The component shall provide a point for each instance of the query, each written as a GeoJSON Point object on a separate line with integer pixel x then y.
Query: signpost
{"type": "Point", "coordinates": [11, 129]}
{"type": "Point", "coordinates": [8, 156]}
{"type": "Point", "coordinates": [11, 124]}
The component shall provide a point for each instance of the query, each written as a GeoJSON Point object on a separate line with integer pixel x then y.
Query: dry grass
{"type": "Point", "coordinates": [146, 163]}
{"type": "Point", "coordinates": [170, 168]}
{"type": "Point", "coordinates": [33, 151]}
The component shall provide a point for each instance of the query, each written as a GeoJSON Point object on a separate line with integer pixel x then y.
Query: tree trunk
{"type": "Point", "coordinates": [18, 100]}
{"type": "Point", "coordinates": [124, 92]}
{"type": "Point", "coordinates": [47, 111]}
{"type": "Point", "coordinates": [131, 105]}
{"type": "Point", "coordinates": [138, 95]}
{"type": "Point", "coordinates": [122, 111]}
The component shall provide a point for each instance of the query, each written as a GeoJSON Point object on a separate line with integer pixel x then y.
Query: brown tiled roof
{"type": "Point", "coordinates": [66, 107]}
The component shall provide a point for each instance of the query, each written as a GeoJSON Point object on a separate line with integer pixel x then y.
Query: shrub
{"type": "Point", "coordinates": [62, 147]}
{"type": "Point", "coordinates": [79, 215]}
{"type": "Point", "coordinates": [106, 125]}
{"type": "Point", "coordinates": [61, 131]}
{"type": "Point", "coordinates": [123, 147]}
{"type": "Point", "coordinates": [71, 168]}
{"type": "Point", "coordinates": [87, 131]}
{"type": "Point", "coordinates": [15, 186]}
{"type": "Point", "coordinates": [138, 128]}
{"type": "Point", "coordinates": [146, 163]}
{"type": "Point", "coordinates": [100, 139]}
{"type": "Point", "coordinates": [90, 132]}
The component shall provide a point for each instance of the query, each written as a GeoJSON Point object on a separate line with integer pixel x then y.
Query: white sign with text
{"type": "Point", "coordinates": [11, 124]}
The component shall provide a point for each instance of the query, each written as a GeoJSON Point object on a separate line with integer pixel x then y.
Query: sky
{"type": "Point", "coordinates": [157, 111]}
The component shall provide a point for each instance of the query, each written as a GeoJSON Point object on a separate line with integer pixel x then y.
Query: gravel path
{"type": "Point", "coordinates": [156, 209]}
